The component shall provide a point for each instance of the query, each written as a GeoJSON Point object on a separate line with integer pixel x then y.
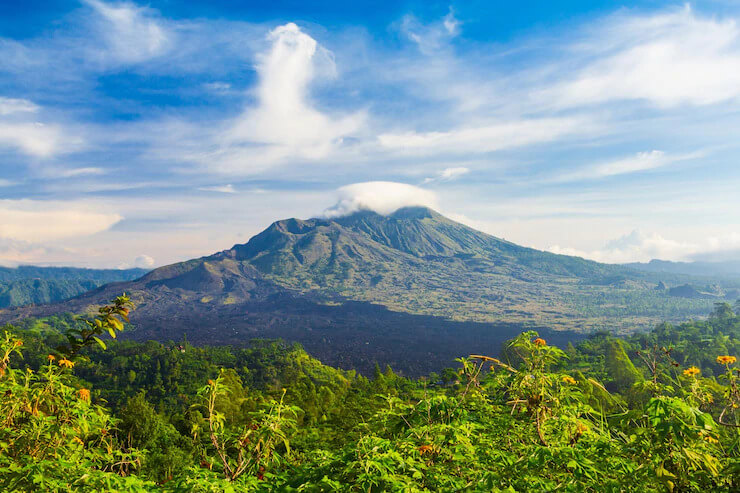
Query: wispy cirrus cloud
{"type": "Point", "coordinates": [22, 130]}
{"type": "Point", "coordinates": [669, 59]}
{"type": "Point", "coordinates": [485, 138]}
{"type": "Point", "coordinates": [448, 174]}
{"type": "Point", "coordinates": [36, 139]}
{"type": "Point", "coordinates": [219, 188]}
{"type": "Point", "coordinates": [131, 33]}
{"type": "Point", "coordinates": [431, 38]}
{"type": "Point", "coordinates": [642, 161]}
{"type": "Point", "coordinates": [9, 106]}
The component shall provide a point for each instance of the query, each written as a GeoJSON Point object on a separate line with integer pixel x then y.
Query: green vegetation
{"type": "Point", "coordinates": [27, 285]}
{"type": "Point", "coordinates": [656, 411]}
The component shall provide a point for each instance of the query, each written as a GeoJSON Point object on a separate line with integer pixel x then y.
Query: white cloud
{"type": "Point", "coordinates": [666, 59]}
{"type": "Point", "coordinates": [641, 247]}
{"type": "Point", "coordinates": [486, 138]}
{"type": "Point", "coordinates": [132, 33]}
{"type": "Point", "coordinates": [448, 174]}
{"type": "Point", "coordinates": [642, 161]}
{"type": "Point", "coordinates": [284, 124]}
{"type": "Point", "coordinates": [6, 183]}
{"type": "Point", "coordinates": [144, 262]}
{"type": "Point", "coordinates": [431, 38]}
{"type": "Point", "coordinates": [9, 106]}
{"type": "Point", "coordinates": [219, 188]}
{"type": "Point", "coordinates": [37, 221]}
{"type": "Point", "coordinates": [382, 197]}
{"type": "Point", "coordinates": [451, 24]}
{"type": "Point", "coordinates": [20, 131]}
{"type": "Point", "coordinates": [75, 172]}
{"type": "Point", "coordinates": [217, 87]}
{"type": "Point", "coordinates": [35, 139]}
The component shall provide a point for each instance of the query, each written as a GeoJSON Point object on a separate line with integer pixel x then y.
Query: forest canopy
{"type": "Point", "coordinates": [653, 412]}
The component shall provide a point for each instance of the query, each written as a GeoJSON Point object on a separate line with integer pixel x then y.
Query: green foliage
{"type": "Point", "coordinates": [271, 418]}
{"type": "Point", "coordinates": [110, 319]}
{"type": "Point", "coordinates": [27, 285]}
{"type": "Point", "coordinates": [52, 438]}
{"type": "Point", "coordinates": [254, 445]}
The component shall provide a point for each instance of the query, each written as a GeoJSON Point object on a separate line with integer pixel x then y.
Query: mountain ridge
{"type": "Point", "coordinates": [326, 279]}
{"type": "Point", "coordinates": [30, 284]}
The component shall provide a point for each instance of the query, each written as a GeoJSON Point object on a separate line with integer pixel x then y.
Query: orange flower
{"type": "Point", "coordinates": [569, 380]}
{"type": "Point", "coordinates": [540, 342]}
{"type": "Point", "coordinates": [84, 394]}
{"type": "Point", "coordinates": [692, 371]}
{"type": "Point", "coordinates": [426, 449]}
{"type": "Point", "coordinates": [51, 357]}
{"type": "Point", "coordinates": [726, 360]}
{"type": "Point", "coordinates": [210, 382]}
{"type": "Point", "coordinates": [66, 362]}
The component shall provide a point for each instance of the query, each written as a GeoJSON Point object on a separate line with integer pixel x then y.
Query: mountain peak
{"type": "Point", "coordinates": [336, 244]}
{"type": "Point", "coordinates": [403, 213]}
{"type": "Point", "coordinates": [416, 212]}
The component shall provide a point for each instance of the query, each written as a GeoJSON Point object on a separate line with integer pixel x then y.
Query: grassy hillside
{"type": "Point", "coordinates": [27, 285]}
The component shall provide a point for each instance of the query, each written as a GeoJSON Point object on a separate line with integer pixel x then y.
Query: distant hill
{"type": "Point", "coordinates": [726, 269]}
{"type": "Point", "coordinates": [26, 285]}
{"type": "Point", "coordinates": [410, 288]}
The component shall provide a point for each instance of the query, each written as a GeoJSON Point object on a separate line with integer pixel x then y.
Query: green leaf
{"type": "Point", "coordinates": [99, 341]}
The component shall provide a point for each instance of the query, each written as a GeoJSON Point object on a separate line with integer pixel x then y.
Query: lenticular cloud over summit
{"type": "Point", "coordinates": [383, 197]}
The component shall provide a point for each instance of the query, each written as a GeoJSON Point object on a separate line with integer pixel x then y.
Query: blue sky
{"type": "Point", "coordinates": [147, 133]}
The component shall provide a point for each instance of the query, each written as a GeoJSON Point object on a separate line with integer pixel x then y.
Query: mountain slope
{"type": "Point", "coordinates": [33, 285]}
{"type": "Point", "coordinates": [366, 287]}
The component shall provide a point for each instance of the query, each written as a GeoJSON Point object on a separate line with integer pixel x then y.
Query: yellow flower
{"type": "Point", "coordinates": [692, 371]}
{"type": "Point", "coordinates": [726, 360]}
{"type": "Point", "coordinates": [711, 439]}
{"type": "Point", "coordinates": [18, 343]}
{"type": "Point", "coordinates": [66, 362]}
{"type": "Point", "coordinates": [211, 382]}
{"type": "Point", "coordinates": [51, 357]}
{"type": "Point", "coordinates": [84, 394]}
{"type": "Point", "coordinates": [568, 379]}
{"type": "Point", "coordinates": [540, 342]}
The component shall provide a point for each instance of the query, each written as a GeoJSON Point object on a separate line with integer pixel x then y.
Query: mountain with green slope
{"type": "Point", "coordinates": [29, 284]}
{"type": "Point", "coordinates": [367, 287]}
